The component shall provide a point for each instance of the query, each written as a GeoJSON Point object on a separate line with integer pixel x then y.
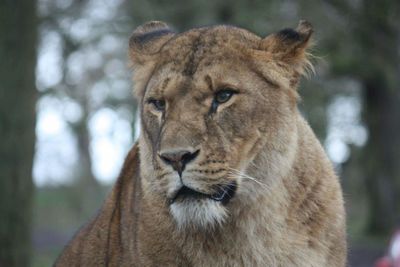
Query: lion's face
{"type": "Point", "coordinates": [208, 107]}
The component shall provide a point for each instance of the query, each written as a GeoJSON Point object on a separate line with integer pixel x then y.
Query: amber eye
{"type": "Point", "coordinates": [223, 96]}
{"type": "Point", "coordinates": [158, 104]}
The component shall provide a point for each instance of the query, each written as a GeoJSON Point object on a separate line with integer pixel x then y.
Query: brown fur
{"type": "Point", "coordinates": [288, 208]}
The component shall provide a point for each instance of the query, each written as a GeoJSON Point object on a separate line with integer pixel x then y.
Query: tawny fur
{"type": "Point", "coordinates": [288, 208]}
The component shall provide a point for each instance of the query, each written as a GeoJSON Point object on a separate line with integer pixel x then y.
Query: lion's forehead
{"type": "Point", "coordinates": [196, 49]}
{"type": "Point", "coordinates": [212, 38]}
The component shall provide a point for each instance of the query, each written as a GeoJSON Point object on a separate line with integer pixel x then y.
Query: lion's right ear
{"type": "Point", "coordinates": [290, 46]}
{"type": "Point", "coordinates": [147, 40]}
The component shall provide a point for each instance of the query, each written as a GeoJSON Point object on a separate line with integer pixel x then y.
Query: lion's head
{"type": "Point", "coordinates": [214, 101]}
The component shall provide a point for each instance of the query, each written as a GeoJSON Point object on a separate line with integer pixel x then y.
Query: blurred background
{"type": "Point", "coordinates": [67, 114]}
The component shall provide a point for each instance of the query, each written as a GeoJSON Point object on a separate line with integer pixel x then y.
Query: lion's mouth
{"type": "Point", "coordinates": [223, 194]}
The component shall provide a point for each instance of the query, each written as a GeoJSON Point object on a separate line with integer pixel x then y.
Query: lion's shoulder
{"type": "Point", "coordinates": [102, 240]}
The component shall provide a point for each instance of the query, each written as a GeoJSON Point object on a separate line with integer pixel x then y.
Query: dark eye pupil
{"type": "Point", "coordinates": [158, 104]}
{"type": "Point", "coordinates": [223, 96]}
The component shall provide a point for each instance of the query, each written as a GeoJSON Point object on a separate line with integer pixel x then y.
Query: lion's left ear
{"type": "Point", "coordinates": [290, 45]}
{"type": "Point", "coordinates": [144, 47]}
{"type": "Point", "coordinates": [147, 40]}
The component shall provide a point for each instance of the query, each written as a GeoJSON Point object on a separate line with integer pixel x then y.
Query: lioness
{"type": "Point", "coordinates": [226, 171]}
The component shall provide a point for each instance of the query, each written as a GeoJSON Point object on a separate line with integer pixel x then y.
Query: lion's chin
{"type": "Point", "coordinates": [198, 213]}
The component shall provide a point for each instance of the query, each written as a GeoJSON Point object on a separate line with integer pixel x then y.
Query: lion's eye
{"type": "Point", "coordinates": [158, 104]}
{"type": "Point", "coordinates": [223, 95]}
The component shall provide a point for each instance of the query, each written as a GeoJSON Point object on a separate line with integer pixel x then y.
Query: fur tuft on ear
{"type": "Point", "coordinates": [148, 39]}
{"type": "Point", "coordinates": [290, 46]}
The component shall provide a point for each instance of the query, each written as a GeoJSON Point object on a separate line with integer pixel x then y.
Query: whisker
{"type": "Point", "coordinates": [245, 176]}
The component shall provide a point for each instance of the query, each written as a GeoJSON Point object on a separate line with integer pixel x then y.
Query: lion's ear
{"type": "Point", "coordinates": [144, 45]}
{"type": "Point", "coordinates": [290, 45]}
{"type": "Point", "coordinates": [147, 40]}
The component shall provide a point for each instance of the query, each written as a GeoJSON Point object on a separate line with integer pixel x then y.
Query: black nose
{"type": "Point", "coordinates": [179, 159]}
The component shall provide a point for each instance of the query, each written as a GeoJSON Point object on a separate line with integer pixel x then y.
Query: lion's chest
{"type": "Point", "coordinates": [241, 249]}
{"type": "Point", "coordinates": [233, 253]}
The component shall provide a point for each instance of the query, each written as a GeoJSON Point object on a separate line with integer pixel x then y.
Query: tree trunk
{"type": "Point", "coordinates": [18, 25]}
{"type": "Point", "coordinates": [382, 156]}
{"type": "Point", "coordinates": [88, 190]}
{"type": "Point", "coordinates": [369, 52]}
{"type": "Point", "coordinates": [379, 36]}
{"type": "Point", "coordinates": [86, 176]}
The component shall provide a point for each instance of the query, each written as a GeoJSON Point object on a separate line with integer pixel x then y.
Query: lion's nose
{"type": "Point", "coordinates": [178, 159]}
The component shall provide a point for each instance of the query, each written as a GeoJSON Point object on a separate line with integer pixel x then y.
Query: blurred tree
{"type": "Point", "coordinates": [81, 41]}
{"type": "Point", "coordinates": [369, 50]}
{"type": "Point", "coordinates": [54, 21]}
{"type": "Point", "coordinates": [17, 128]}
